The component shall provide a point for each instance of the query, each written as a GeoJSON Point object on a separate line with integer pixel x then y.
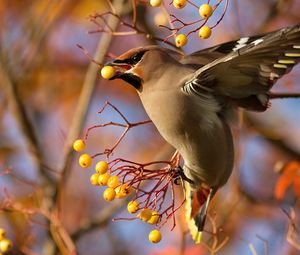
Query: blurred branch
{"type": "Point", "coordinates": [270, 137]}
{"type": "Point", "coordinates": [21, 117]}
{"type": "Point", "coordinates": [100, 220]}
{"type": "Point", "coordinates": [86, 96]}
{"type": "Point", "coordinates": [293, 236]}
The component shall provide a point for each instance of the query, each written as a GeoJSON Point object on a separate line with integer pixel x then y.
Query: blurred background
{"type": "Point", "coordinates": [51, 93]}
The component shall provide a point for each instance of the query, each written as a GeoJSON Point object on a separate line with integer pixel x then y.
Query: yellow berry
{"type": "Point", "coordinates": [160, 19]}
{"type": "Point", "coordinates": [205, 32]}
{"type": "Point", "coordinates": [103, 178]}
{"type": "Point", "coordinates": [181, 40]}
{"type": "Point", "coordinates": [109, 194]}
{"type": "Point", "coordinates": [113, 182]}
{"type": "Point", "coordinates": [133, 206]}
{"type": "Point", "coordinates": [155, 236]}
{"type": "Point", "coordinates": [101, 167]}
{"type": "Point", "coordinates": [126, 189]}
{"type": "Point", "coordinates": [2, 233]}
{"type": "Point", "coordinates": [205, 11]}
{"type": "Point", "coordinates": [123, 190]}
{"type": "Point", "coordinates": [79, 145]}
{"type": "Point", "coordinates": [154, 218]}
{"type": "Point", "coordinates": [179, 4]}
{"type": "Point", "coordinates": [155, 3]}
{"type": "Point", "coordinates": [107, 72]}
{"type": "Point", "coordinates": [145, 214]}
{"type": "Point", "coordinates": [5, 245]}
{"type": "Point", "coordinates": [85, 160]}
{"type": "Point", "coordinates": [119, 192]}
{"type": "Point", "coordinates": [94, 179]}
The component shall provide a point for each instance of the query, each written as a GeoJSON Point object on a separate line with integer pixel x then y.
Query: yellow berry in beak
{"type": "Point", "coordinates": [107, 72]}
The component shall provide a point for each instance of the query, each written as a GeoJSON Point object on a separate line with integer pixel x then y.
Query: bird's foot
{"type": "Point", "coordinates": [179, 175]}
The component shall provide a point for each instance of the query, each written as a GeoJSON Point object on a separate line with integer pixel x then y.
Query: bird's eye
{"type": "Point", "coordinates": [136, 58]}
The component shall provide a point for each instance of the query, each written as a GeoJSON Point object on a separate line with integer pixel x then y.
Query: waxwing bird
{"type": "Point", "coordinates": [190, 98]}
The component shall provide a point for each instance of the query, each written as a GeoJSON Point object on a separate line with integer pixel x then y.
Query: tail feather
{"type": "Point", "coordinates": [194, 201]}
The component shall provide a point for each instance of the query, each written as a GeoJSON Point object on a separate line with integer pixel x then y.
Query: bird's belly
{"type": "Point", "coordinates": [204, 143]}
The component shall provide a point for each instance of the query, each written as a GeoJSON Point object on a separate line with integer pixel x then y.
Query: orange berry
{"type": "Point", "coordinates": [109, 194]}
{"type": "Point", "coordinates": [94, 179]}
{"type": "Point", "coordinates": [155, 236]}
{"type": "Point", "coordinates": [79, 145]}
{"type": "Point", "coordinates": [85, 160]}
{"type": "Point", "coordinates": [145, 214]}
{"type": "Point", "coordinates": [101, 167]}
{"type": "Point", "coordinates": [108, 72]}
{"type": "Point", "coordinates": [205, 11]}
{"type": "Point", "coordinates": [103, 178]}
{"type": "Point", "coordinates": [179, 4]}
{"type": "Point", "coordinates": [205, 32]}
{"type": "Point", "coordinates": [181, 40]}
{"type": "Point", "coordinates": [133, 206]}
{"type": "Point", "coordinates": [113, 182]}
{"type": "Point", "coordinates": [154, 218]}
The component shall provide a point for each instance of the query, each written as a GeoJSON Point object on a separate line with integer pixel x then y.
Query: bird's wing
{"type": "Point", "coordinates": [246, 74]}
{"type": "Point", "coordinates": [206, 56]}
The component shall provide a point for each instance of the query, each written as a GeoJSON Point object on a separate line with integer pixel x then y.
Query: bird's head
{"type": "Point", "coordinates": [140, 65]}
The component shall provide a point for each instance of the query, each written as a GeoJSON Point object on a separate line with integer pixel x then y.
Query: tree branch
{"type": "Point", "coordinates": [86, 97]}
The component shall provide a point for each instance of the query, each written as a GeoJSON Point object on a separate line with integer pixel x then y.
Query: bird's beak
{"type": "Point", "coordinates": [120, 68]}
{"type": "Point", "coordinates": [123, 71]}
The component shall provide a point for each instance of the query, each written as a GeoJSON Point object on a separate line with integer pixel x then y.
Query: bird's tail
{"type": "Point", "coordinates": [196, 207]}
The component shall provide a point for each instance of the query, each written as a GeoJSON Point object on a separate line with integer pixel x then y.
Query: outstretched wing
{"type": "Point", "coordinates": [246, 73]}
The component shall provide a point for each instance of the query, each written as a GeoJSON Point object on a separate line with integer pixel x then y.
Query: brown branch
{"type": "Point", "coordinates": [274, 139]}
{"type": "Point", "coordinates": [86, 96]}
{"type": "Point", "coordinates": [127, 127]}
{"type": "Point", "coordinates": [104, 217]}
{"type": "Point", "coordinates": [18, 109]}
{"type": "Point", "coordinates": [284, 95]}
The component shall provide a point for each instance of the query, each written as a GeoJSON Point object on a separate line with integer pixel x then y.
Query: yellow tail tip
{"type": "Point", "coordinates": [198, 237]}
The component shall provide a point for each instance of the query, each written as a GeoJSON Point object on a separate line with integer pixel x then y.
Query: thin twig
{"type": "Point", "coordinates": [86, 96]}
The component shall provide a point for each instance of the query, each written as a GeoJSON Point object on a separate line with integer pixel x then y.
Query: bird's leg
{"type": "Point", "coordinates": [180, 175]}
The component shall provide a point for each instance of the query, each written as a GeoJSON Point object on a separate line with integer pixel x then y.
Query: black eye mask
{"type": "Point", "coordinates": [133, 60]}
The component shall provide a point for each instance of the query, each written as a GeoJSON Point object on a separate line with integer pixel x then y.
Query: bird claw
{"type": "Point", "coordinates": [180, 176]}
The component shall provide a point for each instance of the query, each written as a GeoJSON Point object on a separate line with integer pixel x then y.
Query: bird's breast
{"type": "Point", "coordinates": [200, 135]}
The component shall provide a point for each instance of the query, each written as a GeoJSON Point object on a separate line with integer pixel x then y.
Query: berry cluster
{"type": "Point", "coordinates": [205, 11]}
{"type": "Point", "coordinates": [5, 243]}
{"type": "Point", "coordinates": [122, 178]}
